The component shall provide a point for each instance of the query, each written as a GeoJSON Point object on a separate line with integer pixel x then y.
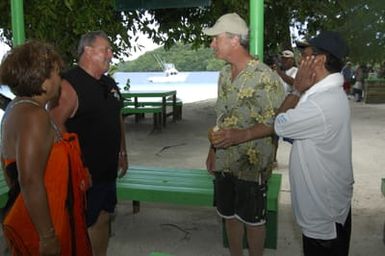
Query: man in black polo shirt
{"type": "Point", "coordinates": [90, 105]}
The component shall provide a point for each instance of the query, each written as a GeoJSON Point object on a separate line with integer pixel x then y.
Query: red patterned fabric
{"type": "Point", "coordinates": [18, 227]}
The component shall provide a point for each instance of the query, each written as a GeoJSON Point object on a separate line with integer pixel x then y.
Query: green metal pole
{"type": "Point", "coordinates": [17, 11]}
{"type": "Point", "coordinates": [256, 28]}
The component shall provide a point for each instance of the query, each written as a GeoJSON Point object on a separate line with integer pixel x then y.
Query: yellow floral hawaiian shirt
{"type": "Point", "coordinates": [252, 97]}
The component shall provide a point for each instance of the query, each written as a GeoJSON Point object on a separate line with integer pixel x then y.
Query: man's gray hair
{"type": "Point", "coordinates": [89, 38]}
{"type": "Point", "coordinates": [243, 39]}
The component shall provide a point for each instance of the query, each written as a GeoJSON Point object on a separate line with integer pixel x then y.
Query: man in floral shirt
{"type": "Point", "coordinates": [249, 94]}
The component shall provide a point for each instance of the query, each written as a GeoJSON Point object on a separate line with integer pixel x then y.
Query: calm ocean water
{"type": "Point", "coordinates": [198, 85]}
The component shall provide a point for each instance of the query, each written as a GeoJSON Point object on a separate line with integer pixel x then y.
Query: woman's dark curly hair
{"type": "Point", "coordinates": [25, 68]}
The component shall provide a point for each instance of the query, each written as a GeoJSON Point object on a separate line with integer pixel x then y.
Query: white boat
{"type": "Point", "coordinates": [171, 75]}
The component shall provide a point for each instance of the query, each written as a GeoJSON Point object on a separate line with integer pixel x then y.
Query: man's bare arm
{"type": "Point", "coordinates": [288, 79]}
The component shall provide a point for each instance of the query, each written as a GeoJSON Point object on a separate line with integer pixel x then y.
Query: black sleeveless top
{"type": "Point", "coordinates": [97, 123]}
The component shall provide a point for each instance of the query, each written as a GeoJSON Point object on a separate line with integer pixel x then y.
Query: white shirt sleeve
{"type": "Point", "coordinates": [305, 121]}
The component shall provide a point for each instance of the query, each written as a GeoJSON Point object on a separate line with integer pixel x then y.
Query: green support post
{"type": "Point", "coordinates": [256, 28]}
{"type": "Point", "coordinates": [17, 22]}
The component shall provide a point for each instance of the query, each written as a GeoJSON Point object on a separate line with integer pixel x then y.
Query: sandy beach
{"type": "Point", "coordinates": [185, 231]}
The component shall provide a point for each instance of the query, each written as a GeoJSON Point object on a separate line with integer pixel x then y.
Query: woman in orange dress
{"type": "Point", "coordinates": [44, 214]}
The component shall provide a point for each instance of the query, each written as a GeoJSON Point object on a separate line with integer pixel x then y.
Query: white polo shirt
{"type": "Point", "coordinates": [321, 175]}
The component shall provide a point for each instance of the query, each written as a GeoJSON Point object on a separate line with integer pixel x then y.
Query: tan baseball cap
{"type": "Point", "coordinates": [228, 23]}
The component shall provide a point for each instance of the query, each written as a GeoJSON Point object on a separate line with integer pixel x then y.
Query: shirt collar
{"type": "Point", "coordinates": [331, 81]}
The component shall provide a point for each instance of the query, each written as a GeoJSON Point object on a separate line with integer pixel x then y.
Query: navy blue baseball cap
{"type": "Point", "coordinates": [328, 41]}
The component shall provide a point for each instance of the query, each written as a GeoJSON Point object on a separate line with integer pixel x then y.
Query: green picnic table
{"type": "Point", "coordinates": [163, 94]}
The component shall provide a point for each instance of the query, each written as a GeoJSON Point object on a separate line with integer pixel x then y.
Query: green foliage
{"type": "Point", "coordinates": [364, 27]}
{"type": "Point", "coordinates": [184, 57]}
{"type": "Point", "coordinates": [63, 22]}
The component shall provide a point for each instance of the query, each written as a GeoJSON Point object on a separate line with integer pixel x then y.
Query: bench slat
{"type": "Point", "coordinates": [203, 175]}
{"type": "Point", "coordinates": [169, 182]}
{"type": "Point", "coordinates": [140, 110]}
{"type": "Point", "coordinates": [164, 195]}
{"type": "Point", "coordinates": [178, 189]}
{"type": "Point", "coordinates": [151, 103]}
{"type": "Point", "coordinates": [138, 167]}
{"type": "Point", "coordinates": [178, 105]}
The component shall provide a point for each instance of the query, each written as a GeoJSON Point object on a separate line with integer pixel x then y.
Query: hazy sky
{"type": "Point", "coordinates": [147, 43]}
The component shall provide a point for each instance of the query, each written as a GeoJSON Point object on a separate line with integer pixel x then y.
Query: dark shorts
{"type": "Point", "coordinates": [244, 200]}
{"type": "Point", "coordinates": [100, 197]}
{"type": "Point", "coordinates": [334, 247]}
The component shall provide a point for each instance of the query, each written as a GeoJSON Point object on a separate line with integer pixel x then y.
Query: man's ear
{"type": "Point", "coordinates": [87, 49]}
{"type": "Point", "coordinates": [322, 59]}
{"type": "Point", "coordinates": [235, 41]}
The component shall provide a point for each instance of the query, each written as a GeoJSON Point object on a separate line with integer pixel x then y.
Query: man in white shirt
{"type": "Point", "coordinates": [321, 175]}
{"type": "Point", "coordinates": [317, 116]}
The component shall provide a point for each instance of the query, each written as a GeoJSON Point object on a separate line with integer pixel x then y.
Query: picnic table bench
{"type": "Point", "coordinates": [164, 95]}
{"type": "Point", "coordinates": [169, 103]}
{"type": "Point", "coordinates": [141, 110]}
{"type": "Point", "coordinates": [189, 187]}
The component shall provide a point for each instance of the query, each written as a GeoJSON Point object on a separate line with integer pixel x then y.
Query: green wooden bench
{"type": "Point", "coordinates": [141, 110]}
{"type": "Point", "coordinates": [189, 187]}
{"type": "Point", "coordinates": [169, 103]}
